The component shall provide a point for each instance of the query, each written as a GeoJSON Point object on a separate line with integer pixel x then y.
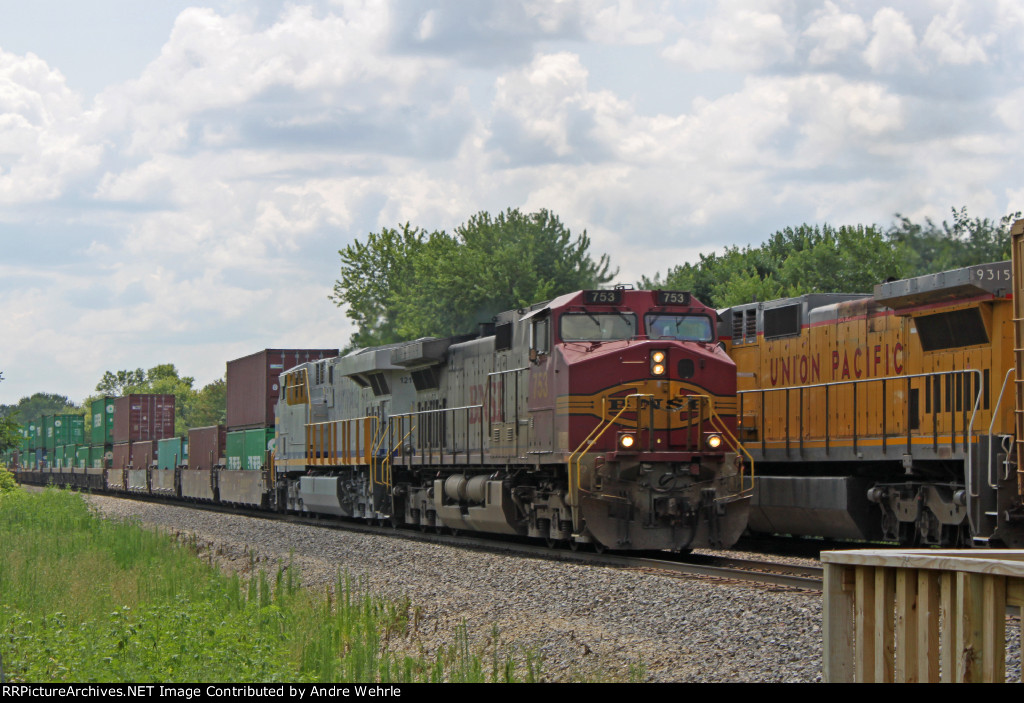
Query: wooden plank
{"type": "Point", "coordinates": [948, 636]}
{"type": "Point", "coordinates": [906, 626]}
{"type": "Point", "coordinates": [885, 625]}
{"type": "Point", "coordinates": [838, 626]}
{"type": "Point", "coordinates": [1002, 562]}
{"type": "Point", "coordinates": [928, 613]}
{"type": "Point", "coordinates": [969, 643]}
{"type": "Point", "coordinates": [993, 638]}
{"type": "Point", "coordinates": [864, 612]}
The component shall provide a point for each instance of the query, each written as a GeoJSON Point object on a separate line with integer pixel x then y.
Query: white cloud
{"type": "Point", "coordinates": [948, 39]}
{"type": "Point", "coordinates": [739, 36]}
{"type": "Point", "coordinates": [836, 33]}
{"type": "Point", "coordinates": [42, 142]}
{"type": "Point", "coordinates": [219, 183]}
{"type": "Point", "coordinates": [893, 47]}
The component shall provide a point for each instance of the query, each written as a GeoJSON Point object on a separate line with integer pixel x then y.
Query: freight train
{"type": "Point", "coordinates": [893, 416]}
{"type": "Point", "coordinates": [603, 417]}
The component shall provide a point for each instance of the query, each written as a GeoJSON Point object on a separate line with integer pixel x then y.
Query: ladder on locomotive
{"type": "Point", "coordinates": [1017, 256]}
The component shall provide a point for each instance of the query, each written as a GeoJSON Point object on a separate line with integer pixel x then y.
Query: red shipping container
{"type": "Point", "coordinates": [252, 384]}
{"type": "Point", "coordinates": [143, 416]}
{"type": "Point", "coordinates": [206, 446]}
{"type": "Point", "coordinates": [122, 456]}
{"type": "Point", "coordinates": [143, 453]}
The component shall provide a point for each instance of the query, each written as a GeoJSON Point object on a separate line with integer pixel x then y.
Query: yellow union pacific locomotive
{"type": "Point", "coordinates": [890, 416]}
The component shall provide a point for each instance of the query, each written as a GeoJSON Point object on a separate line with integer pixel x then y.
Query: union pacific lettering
{"type": "Point", "coordinates": [804, 369]}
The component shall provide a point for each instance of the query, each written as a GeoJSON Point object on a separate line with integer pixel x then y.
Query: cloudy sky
{"type": "Point", "coordinates": [176, 178]}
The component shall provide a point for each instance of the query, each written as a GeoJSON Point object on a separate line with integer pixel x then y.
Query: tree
{"type": "Point", "coordinates": [847, 259]}
{"type": "Point", "coordinates": [408, 283]}
{"type": "Point", "coordinates": [116, 383]}
{"type": "Point", "coordinates": [930, 248]}
{"type": "Point", "coordinates": [209, 406]}
{"type": "Point", "coordinates": [10, 431]}
{"type": "Point", "coordinates": [33, 407]}
{"type": "Point", "coordinates": [161, 379]}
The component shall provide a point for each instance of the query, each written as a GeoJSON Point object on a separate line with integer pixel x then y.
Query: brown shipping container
{"type": "Point", "coordinates": [143, 453]}
{"type": "Point", "coordinates": [140, 417]}
{"type": "Point", "coordinates": [252, 384]}
{"type": "Point", "coordinates": [206, 446]}
{"type": "Point", "coordinates": [122, 456]}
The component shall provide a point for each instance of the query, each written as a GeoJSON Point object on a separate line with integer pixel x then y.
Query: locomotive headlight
{"type": "Point", "coordinates": [658, 363]}
{"type": "Point", "coordinates": [714, 441]}
{"type": "Point", "coordinates": [626, 440]}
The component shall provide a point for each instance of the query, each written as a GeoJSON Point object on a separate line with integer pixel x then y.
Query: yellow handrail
{"type": "Point", "coordinates": [385, 480]}
{"type": "Point", "coordinates": [591, 439]}
{"type": "Point", "coordinates": [734, 443]}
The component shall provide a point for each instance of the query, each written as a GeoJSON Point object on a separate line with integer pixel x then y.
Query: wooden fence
{"type": "Point", "coordinates": [919, 615]}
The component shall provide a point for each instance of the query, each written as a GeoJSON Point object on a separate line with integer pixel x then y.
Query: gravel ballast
{"type": "Point", "coordinates": [584, 622]}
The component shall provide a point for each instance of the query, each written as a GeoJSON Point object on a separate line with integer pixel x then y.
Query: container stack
{"type": "Point", "coordinates": [140, 418]}
{"type": "Point", "coordinates": [253, 387]}
{"type": "Point", "coordinates": [68, 435]}
{"type": "Point", "coordinates": [101, 433]}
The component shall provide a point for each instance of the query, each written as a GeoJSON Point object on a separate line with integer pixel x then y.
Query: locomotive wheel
{"type": "Point", "coordinates": [598, 547]}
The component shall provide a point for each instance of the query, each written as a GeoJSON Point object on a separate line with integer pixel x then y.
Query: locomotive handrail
{"type": "Point", "coordinates": [434, 411]}
{"type": "Point", "coordinates": [967, 425]}
{"type": "Point", "coordinates": [734, 441]}
{"type": "Point", "coordinates": [993, 482]}
{"type": "Point", "coordinates": [329, 429]}
{"type": "Point", "coordinates": [386, 459]}
{"type": "Point", "coordinates": [591, 439]}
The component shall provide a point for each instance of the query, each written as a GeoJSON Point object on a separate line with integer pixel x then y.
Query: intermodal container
{"type": "Point", "coordinates": [252, 384]}
{"type": "Point", "coordinates": [139, 417]}
{"type": "Point", "coordinates": [206, 446]}
{"type": "Point", "coordinates": [143, 454]}
{"type": "Point", "coordinates": [101, 425]}
{"type": "Point", "coordinates": [171, 452]}
{"type": "Point", "coordinates": [82, 457]}
{"type": "Point", "coordinates": [247, 449]}
{"type": "Point", "coordinates": [68, 429]}
{"type": "Point", "coordinates": [48, 439]}
{"type": "Point", "coordinates": [122, 456]}
{"type": "Point", "coordinates": [100, 456]}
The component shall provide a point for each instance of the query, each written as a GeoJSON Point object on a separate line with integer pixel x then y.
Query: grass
{"type": "Point", "coordinates": [89, 600]}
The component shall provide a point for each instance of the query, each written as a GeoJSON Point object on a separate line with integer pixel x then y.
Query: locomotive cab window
{"type": "Point", "coordinates": [596, 327]}
{"type": "Point", "coordinates": [540, 337]}
{"type": "Point", "coordinates": [684, 328]}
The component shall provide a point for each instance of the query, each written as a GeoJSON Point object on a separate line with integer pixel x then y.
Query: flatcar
{"type": "Point", "coordinates": [888, 416]}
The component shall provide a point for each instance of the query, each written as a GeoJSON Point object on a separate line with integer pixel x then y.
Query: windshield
{"type": "Point", "coordinates": [597, 327]}
{"type": "Point", "coordinates": [685, 328]}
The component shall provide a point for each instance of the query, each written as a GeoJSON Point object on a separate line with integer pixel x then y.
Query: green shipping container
{"type": "Point", "coordinates": [99, 456]}
{"type": "Point", "coordinates": [101, 425]}
{"type": "Point", "coordinates": [68, 429]}
{"type": "Point", "coordinates": [49, 443]}
{"type": "Point", "coordinates": [82, 457]}
{"type": "Point", "coordinates": [247, 449]}
{"type": "Point", "coordinates": [171, 452]}
{"type": "Point", "coordinates": [66, 456]}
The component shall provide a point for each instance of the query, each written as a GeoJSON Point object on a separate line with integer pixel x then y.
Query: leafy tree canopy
{"type": "Point", "coordinates": [38, 404]}
{"type": "Point", "coordinates": [847, 259]}
{"type": "Point", "coordinates": [191, 408]}
{"type": "Point", "coordinates": [407, 283]}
